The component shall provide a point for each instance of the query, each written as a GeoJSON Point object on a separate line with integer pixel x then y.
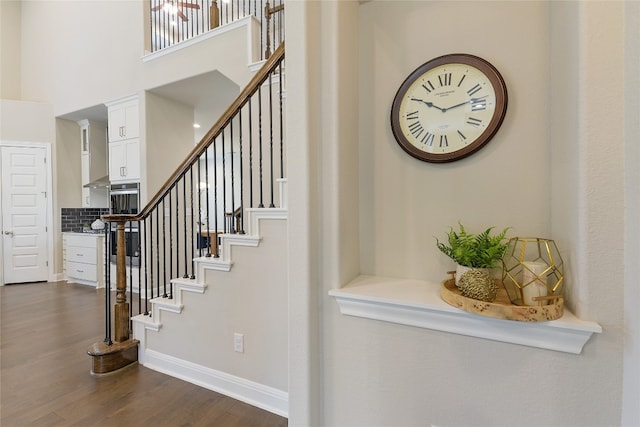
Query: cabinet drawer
{"type": "Point", "coordinates": [86, 241]}
{"type": "Point", "coordinates": [83, 271]}
{"type": "Point", "coordinates": [81, 254]}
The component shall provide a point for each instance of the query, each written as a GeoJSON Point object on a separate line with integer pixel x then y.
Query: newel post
{"type": "Point", "coordinates": [109, 356]}
{"type": "Point", "coordinates": [121, 307]}
{"type": "Point", "coordinates": [214, 15]}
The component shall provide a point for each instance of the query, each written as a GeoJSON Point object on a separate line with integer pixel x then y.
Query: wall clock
{"type": "Point", "coordinates": [449, 108]}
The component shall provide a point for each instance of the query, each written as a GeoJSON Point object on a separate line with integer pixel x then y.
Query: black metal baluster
{"type": "Point", "coordinates": [199, 240]}
{"type": "Point", "coordinates": [233, 201]}
{"type": "Point", "coordinates": [151, 252]}
{"type": "Point", "coordinates": [250, 155]}
{"type": "Point", "coordinates": [164, 250]}
{"type": "Point", "coordinates": [184, 209]}
{"type": "Point", "coordinates": [224, 185]}
{"type": "Point", "coordinates": [158, 249]}
{"type": "Point", "coordinates": [261, 205]}
{"type": "Point", "coordinates": [164, 28]}
{"type": "Point", "coordinates": [192, 23]}
{"type": "Point", "coordinates": [215, 201]}
{"type": "Point", "coordinates": [152, 27]}
{"type": "Point", "coordinates": [154, 31]}
{"type": "Point", "coordinates": [193, 252]}
{"type": "Point", "coordinates": [273, 29]}
{"type": "Point", "coordinates": [175, 23]}
{"type": "Point", "coordinates": [166, 295]}
{"type": "Point", "coordinates": [146, 272]}
{"type": "Point", "coordinates": [107, 285]}
{"type": "Point", "coordinates": [206, 177]}
{"type": "Point", "coordinates": [281, 125]}
{"type": "Point", "coordinates": [161, 41]}
{"type": "Point", "coordinates": [282, 24]}
{"type": "Point", "coordinates": [130, 270]}
{"type": "Point", "coordinates": [206, 18]}
{"type": "Point", "coordinates": [272, 205]}
{"type": "Point", "coordinates": [241, 231]}
{"type": "Point", "coordinates": [139, 270]}
{"type": "Point", "coordinates": [177, 231]}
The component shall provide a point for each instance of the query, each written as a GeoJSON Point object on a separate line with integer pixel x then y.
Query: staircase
{"type": "Point", "coordinates": [213, 259]}
{"type": "Point", "coordinates": [189, 293]}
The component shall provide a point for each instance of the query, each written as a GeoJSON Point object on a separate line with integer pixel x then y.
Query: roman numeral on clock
{"type": "Point", "coordinates": [416, 129]}
{"type": "Point", "coordinates": [430, 88]}
{"type": "Point", "coordinates": [428, 139]}
{"type": "Point", "coordinates": [478, 104]}
{"type": "Point", "coordinates": [473, 121]}
{"type": "Point", "coordinates": [461, 80]}
{"type": "Point", "coordinates": [474, 90]}
{"type": "Point", "coordinates": [444, 79]}
{"type": "Point", "coordinates": [444, 142]}
{"type": "Point", "coordinates": [461, 135]}
{"type": "Point", "coordinates": [412, 115]}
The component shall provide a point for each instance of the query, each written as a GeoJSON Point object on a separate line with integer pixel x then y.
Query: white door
{"type": "Point", "coordinates": [24, 214]}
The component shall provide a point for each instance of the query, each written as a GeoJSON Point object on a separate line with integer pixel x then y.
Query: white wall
{"type": "Point", "coordinates": [381, 374]}
{"type": "Point", "coordinates": [406, 203]}
{"type": "Point", "coordinates": [167, 140]}
{"type": "Point", "coordinates": [79, 54]}
{"type": "Point", "coordinates": [631, 381]}
{"type": "Point", "coordinates": [10, 44]}
{"type": "Point", "coordinates": [251, 300]}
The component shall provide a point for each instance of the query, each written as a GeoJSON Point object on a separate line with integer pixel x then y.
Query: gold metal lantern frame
{"type": "Point", "coordinates": [532, 271]}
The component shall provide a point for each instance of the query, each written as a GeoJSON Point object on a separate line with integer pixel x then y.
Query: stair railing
{"type": "Point", "coordinates": [232, 168]}
{"type": "Point", "coordinates": [174, 22]}
{"type": "Point", "coordinates": [278, 27]}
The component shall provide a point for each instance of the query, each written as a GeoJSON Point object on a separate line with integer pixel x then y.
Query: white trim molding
{"type": "Point", "coordinates": [259, 395]}
{"type": "Point", "coordinates": [418, 303]}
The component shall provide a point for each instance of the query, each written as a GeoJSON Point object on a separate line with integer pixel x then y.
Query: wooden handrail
{"type": "Point", "coordinates": [252, 87]}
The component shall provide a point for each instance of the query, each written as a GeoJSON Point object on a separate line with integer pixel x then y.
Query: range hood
{"type": "Point", "coordinates": [99, 183]}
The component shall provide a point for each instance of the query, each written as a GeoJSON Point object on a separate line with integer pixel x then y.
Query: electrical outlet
{"type": "Point", "coordinates": [238, 343]}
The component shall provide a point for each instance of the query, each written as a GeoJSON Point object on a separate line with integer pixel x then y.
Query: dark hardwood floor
{"type": "Point", "coordinates": [46, 329]}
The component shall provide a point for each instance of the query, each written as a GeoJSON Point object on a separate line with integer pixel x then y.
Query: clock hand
{"type": "Point", "coordinates": [462, 103]}
{"type": "Point", "coordinates": [429, 104]}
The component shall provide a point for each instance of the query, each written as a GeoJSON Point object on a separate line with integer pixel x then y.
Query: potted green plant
{"type": "Point", "coordinates": [473, 250]}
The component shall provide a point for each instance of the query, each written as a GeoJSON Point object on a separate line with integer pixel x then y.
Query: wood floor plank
{"type": "Point", "coordinates": [45, 380]}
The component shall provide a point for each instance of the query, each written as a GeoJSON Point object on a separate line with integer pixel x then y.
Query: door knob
{"type": "Point", "coordinates": [9, 233]}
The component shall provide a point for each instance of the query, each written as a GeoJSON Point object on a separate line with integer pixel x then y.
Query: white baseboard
{"type": "Point", "coordinates": [259, 395]}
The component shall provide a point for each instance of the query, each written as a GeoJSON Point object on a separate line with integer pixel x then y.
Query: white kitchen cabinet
{"type": "Point", "coordinates": [124, 141]}
{"type": "Point", "coordinates": [124, 160]}
{"type": "Point", "coordinates": [123, 119]}
{"type": "Point", "coordinates": [83, 258]}
{"type": "Point", "coordinates": [93, 152]}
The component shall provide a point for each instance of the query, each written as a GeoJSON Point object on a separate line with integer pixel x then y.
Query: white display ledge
{"type": "Point", "coordinates": [418, 303]}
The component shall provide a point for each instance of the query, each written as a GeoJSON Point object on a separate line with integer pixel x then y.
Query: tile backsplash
{"type": "Point", "coordinates": [74, 218]}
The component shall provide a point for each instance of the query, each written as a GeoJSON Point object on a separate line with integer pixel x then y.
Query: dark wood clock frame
{"type": "Point", "coordinates": [500, 110]}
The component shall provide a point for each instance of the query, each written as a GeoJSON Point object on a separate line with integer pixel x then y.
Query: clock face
{"type": "Point", "coordinates": [449, 108]}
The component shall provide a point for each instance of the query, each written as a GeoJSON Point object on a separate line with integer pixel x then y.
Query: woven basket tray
{"type": "Point", "coordinates": [501, 307]}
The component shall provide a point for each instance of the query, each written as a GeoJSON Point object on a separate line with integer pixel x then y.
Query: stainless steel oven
{"type": "Point", "coordinates": [125, 199]}
{"type": "Point", "coordinates": [132, 246]}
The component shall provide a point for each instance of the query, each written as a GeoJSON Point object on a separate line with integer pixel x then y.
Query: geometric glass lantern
{"type": "Point", "coordinates": [532, 271]}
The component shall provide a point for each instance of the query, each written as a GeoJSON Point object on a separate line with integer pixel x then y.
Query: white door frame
{"type": "Point", "coordinates": [49, 204]}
